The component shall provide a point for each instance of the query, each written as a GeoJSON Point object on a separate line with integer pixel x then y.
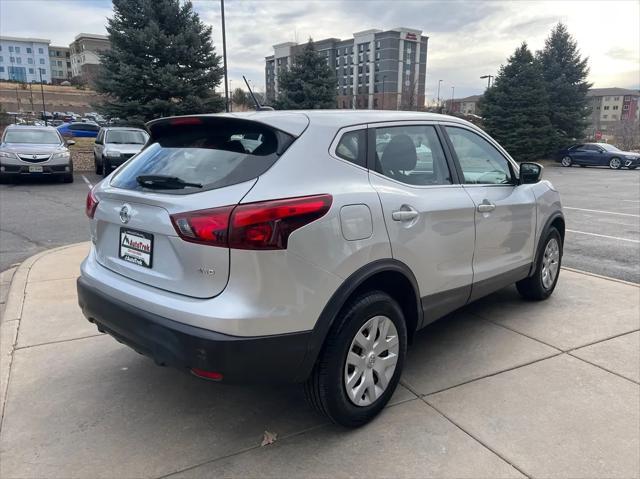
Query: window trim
{"type": "Point", "coordinates": [371, 127]}
{"type": "Point", "coordinates": [515, 169]}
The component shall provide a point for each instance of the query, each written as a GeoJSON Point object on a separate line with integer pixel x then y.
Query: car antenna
{"type": "Point", "coordinates": [259, 107]}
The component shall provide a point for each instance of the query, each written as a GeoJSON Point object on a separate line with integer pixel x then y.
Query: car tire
{"type": "Point", "coordinates": [106, 168]}
{"type": "Point", "coordinates": [67, 178]}
{"type": "Point", "coordinates": [566, 161]}
{"type": "Point", "coordinates": [97, 165]}
{"type": "Point", "coordinates": [615, 163]}
{"type": "Point", "coordinates": [541, 284]}
{"type": "Point", "coordinates": [330, 389]}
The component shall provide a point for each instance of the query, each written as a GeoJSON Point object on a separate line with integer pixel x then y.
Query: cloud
{"type": "Point", "coordinates": [467, 39]}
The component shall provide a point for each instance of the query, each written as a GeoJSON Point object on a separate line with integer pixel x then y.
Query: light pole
{"type": "Point", "coordinates": [453, 90]}
{"type": "Point", "coordinates": [439, 82]}
{"type": "Point", "coordinates": [224, 58]}
{"type": "Point", "coordinates": [488, 77]}
{"type": "Point", "coordinates": [44, 109]}
{"type": "Point", "coordinates": [384, 78]}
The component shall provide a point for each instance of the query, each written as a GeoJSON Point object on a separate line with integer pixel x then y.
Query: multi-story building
{"type": "Point", "coordinates": [60, 61]}
{"type": "Point", "coordinates": [85, 54]}
{"type": "Point", "coordinates": [464, 106]}
{"type": "Point", "coordinates": [24, 59]}
{"type": "Point", "coordinates": [609, 107]}
{"type": "Point", "coordinates": [374, 69]}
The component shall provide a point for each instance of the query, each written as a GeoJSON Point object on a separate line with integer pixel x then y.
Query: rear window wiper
{"type": "Point", "coordinates": [165, 182]}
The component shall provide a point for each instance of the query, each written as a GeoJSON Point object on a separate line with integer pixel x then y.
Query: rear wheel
{"type": "Point", "coordinates": [544, 279]}
{"type": "Point", "coordinates": [96, 164]}
{"type": "Point", "coordinates": [361, 362]}
{"type": "Point", "coordinates": [615, 163]}
{"type": "Point", "coordinates": [566, 161]}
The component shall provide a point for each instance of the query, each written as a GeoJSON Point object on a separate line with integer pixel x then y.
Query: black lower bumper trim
{"type": "Point", "coordinates": [239, 359]}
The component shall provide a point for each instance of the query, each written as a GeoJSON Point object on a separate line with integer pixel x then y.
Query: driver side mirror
{"type": "Point", "coordinates": [530, 173]}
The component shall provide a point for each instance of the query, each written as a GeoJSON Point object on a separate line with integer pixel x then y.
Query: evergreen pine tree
{"type": "Point", "coordinates": [309, 83]}
{"type": "Point", "coordinates": [162, 61]}
{"type": "Point", "coordinates": [565, 74]}
{"type": "Point", "coordinates": [515, 108]}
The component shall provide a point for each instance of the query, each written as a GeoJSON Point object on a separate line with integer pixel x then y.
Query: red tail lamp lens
{"type": "Point", "coordinates": [91, 204]}
{"type": "Point", "coordinates": [185, 121]}
{"type": "Point", "coordinates": [264, 225]}
{"type": "Point", "coordinates": [268, 224]}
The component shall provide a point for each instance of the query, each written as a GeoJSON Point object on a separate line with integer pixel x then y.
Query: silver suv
{"type": "Point", "coordinates": [115, 145]}
{"type": "Point", "coordinates": [34, 151]}
{"type": "Point", "coordinates": [311, 246]}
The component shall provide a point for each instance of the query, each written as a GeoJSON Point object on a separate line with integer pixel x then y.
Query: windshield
{"type": "Point", "coordinates": [36, 137]}
{"type": "Point", "coordinates": [606, 147]}
{"type": "Point", "coordinates": [129, 137]}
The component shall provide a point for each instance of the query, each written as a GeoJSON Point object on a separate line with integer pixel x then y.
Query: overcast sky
{"type": "Point", "coordinates": [467, 39]}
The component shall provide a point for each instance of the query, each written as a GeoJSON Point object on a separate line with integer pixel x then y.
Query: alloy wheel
{"type": "Point", "coordinates": [615, 163]}
{"type": "Point", "coordinates": [550, 263]}
{"type": "Point", "coordinates": [371, 360]}
{"type": "Point", "coordinates": [566, 161]}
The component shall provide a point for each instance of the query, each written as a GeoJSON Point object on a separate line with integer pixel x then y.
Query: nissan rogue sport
{"type": "Point", "coordinates": [310, 246]}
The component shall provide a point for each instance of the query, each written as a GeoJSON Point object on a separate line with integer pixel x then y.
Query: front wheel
{"type": "Point", "coordinates": [566, 161]}
{"type": "Point", "coordinates": [106, 167]}
{"type": "Point", "coordinates": [541, 284]}
{"type": "Point", "coordinates": [361, 362]}
{"type": "Point", "coordinates": [615, 163]}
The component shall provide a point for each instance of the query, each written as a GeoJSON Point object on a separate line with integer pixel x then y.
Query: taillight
{"type": "Point", "coordinates": [209, 227]}
{"type": "Point", "coordinates": [91, 204]}
{"type": "Point", "coordinates": [265, 225]}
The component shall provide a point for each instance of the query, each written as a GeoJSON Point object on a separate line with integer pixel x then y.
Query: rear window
{"type": "Point", "coordinates": [211, 152]}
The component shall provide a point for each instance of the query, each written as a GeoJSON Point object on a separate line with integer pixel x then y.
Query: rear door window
{"type": "Point", "coordinates": [210, 152]}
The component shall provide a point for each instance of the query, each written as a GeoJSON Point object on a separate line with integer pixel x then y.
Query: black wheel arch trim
{"type": "Point", "coordinates": [543, 234]}
{"type": "Point", "coordinates": [342, 295]}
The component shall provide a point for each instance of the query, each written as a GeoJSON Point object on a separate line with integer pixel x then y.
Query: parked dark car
{"type": "Point", "coordinates": [598, 154]}
{"type": "Point", "coordinates": [79, 129]}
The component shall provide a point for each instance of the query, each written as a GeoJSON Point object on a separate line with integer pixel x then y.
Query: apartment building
{"type": "Point", "coordinates": [24, 59]}
{"type": "Point", "coordinates": [609, 106]}
{"type": "Point", "coordinates": [374, 70]}
{"type": "Point", "coordinates": [60, 62]}
{"type": "Point", "coordinates": [85, 54]}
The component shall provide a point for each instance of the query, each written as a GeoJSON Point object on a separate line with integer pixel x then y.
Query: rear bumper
{"type": "Point", "coordinates": [276, 358]}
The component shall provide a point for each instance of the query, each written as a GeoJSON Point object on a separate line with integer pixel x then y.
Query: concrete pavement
{"type": "Point", "coordinates": [503, 388]}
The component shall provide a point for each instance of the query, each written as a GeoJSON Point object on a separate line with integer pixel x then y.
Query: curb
{"type": "Point", "coordinates": [12, 315]}
{"type": "Point", "coordinates": [599, 276]}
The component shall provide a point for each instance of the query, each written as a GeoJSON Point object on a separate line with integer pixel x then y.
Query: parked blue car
{"type": "Point", "coordinates": [598, 154]}
{"type": "Point", "coordinates": [79, 129]}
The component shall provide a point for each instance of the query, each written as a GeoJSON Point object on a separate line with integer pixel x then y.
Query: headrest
{"type": "Point", "coordinates": [400, 154]}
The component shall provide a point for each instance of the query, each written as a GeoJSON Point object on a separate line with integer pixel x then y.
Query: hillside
{"type": "Point", "coordinates": [14, 97]}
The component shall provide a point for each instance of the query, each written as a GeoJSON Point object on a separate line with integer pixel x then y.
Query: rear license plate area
{"type": "Point", "coordinates": [136, 247]}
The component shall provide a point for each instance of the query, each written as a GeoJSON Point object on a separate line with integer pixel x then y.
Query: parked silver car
{"type": "Point", "coordinates": [317, 254]}
{"type": "Point", "coordinates": [34, 150]}
{"type": "Point", "coordinates": [115, 145]}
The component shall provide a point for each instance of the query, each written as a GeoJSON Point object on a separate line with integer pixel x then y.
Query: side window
{"type": "Point", "coordinates": [412, 155]}
{"type": "Point", "coordinates": [480, 161]}
{"type": "Point", "coordinates": [591, 148]}
{"type": "Point", "coordinates": [90, 127]}
{"type": "Point", "coordinates": [74, 126]}
{"type": "Point", "coordinates": [351, 147]}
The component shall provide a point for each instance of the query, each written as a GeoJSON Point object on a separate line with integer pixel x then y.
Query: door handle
{"type": "Point", "coordinates": [486, 206]}
{"type": "Point", "coordinates": [405, 213]}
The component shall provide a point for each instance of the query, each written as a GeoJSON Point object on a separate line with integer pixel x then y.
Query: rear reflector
{"type": "Point", "coordinates": [212, 375]}
{"type": "Point", "coordinates": [91, 203]}
{"type": "Point", "coordinates": [265, 225]}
